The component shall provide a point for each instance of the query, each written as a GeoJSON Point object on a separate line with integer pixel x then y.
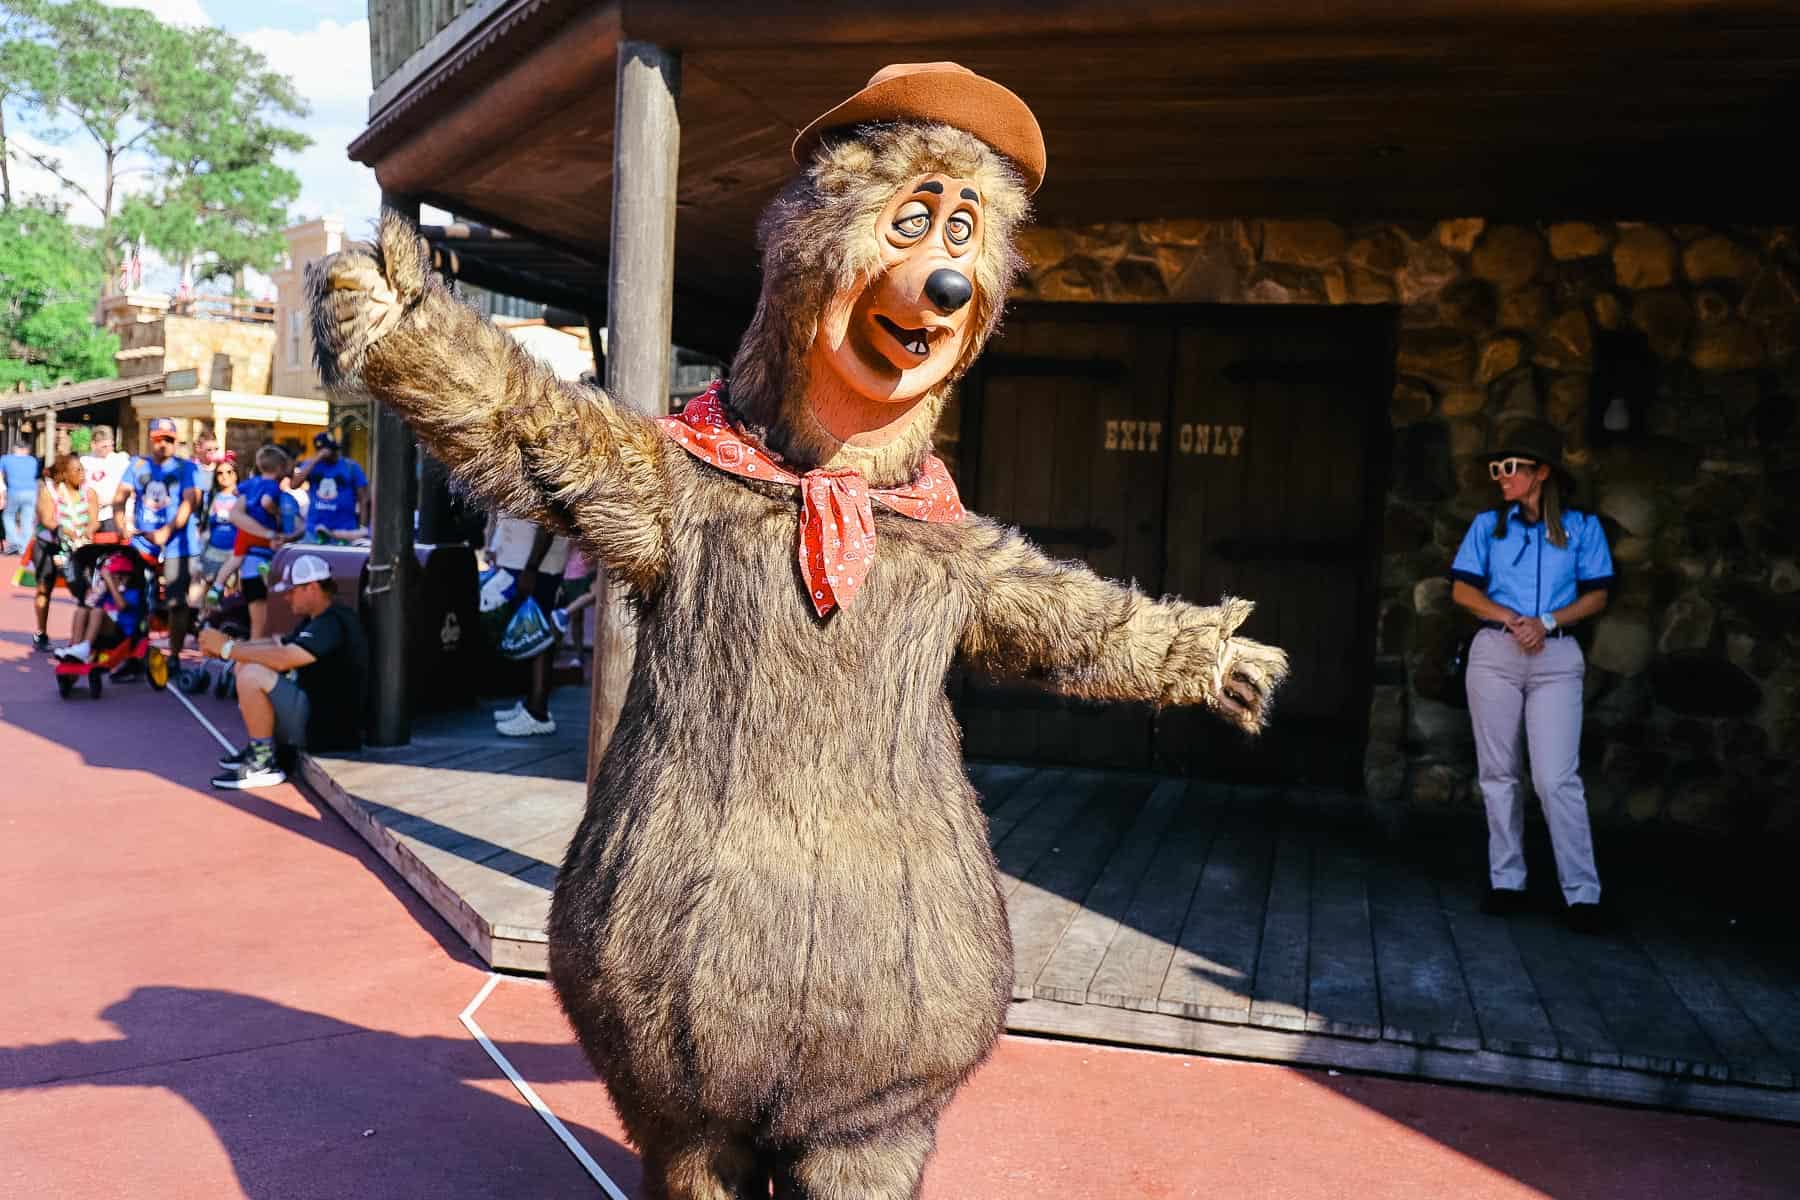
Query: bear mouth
{"type": "Point", "coordinates": [916, 342]}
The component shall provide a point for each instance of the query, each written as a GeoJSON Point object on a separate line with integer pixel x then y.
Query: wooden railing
{"type": "Point", "coordinates": [400, 28]}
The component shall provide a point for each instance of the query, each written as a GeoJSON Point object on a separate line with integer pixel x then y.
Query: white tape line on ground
{"type": "Point", "coordinates": [217, 736]}
{"type": "Point", "coordinates": [531, 1097]}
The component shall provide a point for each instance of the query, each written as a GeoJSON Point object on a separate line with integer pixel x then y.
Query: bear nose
{"type": "Point", "coordinates": [948, 289]}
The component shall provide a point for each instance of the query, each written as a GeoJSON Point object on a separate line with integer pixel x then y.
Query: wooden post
{"type": "Point", "coordinates": [640, 300]}
{"type": "Point", "coordinates": [391, 566]}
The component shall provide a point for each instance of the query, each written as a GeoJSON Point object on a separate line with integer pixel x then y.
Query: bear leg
{"type": "Point", "coordinates": [708, 1164]}
{"type": "Point", "coordinates": [885, 1164]}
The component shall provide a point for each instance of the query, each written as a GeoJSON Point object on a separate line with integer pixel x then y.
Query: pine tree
{"type": "Point", "coordinates": [195, 111]}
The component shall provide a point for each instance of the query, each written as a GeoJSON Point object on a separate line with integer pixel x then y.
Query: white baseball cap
{"type": "Point", "coordinates": [308, 568]}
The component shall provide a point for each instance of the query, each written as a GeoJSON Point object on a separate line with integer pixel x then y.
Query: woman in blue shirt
{"type": "Point", "coordinates": [1530, 568]}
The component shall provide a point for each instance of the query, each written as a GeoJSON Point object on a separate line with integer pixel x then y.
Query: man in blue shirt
{"type": "Point", "coordinates": [19, 475]}
{"type": "Point", "coordinates": [165, 491]}
{"type": "Point", "coordinates": [340, 493]}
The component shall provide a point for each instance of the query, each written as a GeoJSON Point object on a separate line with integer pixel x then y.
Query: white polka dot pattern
{"type": "Point", "coordinates": [837, 524]}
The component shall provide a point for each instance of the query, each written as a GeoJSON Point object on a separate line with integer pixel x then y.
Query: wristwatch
{"type": "Point", "coordinates": [227, 648]}
{"type": "Point", "coordinates": [1549, 620]}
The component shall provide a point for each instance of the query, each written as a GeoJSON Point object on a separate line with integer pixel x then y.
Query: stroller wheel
{"type": "Point", "coordinates": [96, 680]}
{"type": "Point", "coordinates": [65, 686]}
{"type": "Point", "coordinates": [156, 666]}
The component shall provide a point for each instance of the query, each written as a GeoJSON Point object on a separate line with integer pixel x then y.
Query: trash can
{"type": "Point", "coordinates": [445, 652]}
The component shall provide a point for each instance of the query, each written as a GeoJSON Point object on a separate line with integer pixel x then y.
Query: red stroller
{"type": "Point", "coordinates": [127, 636]}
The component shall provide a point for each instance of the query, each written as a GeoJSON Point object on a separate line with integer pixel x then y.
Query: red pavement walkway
{"type": "Point", "coordinates": [216, 994]}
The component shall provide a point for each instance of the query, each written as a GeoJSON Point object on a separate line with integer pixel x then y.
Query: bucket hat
{"type": "Point", "coordinates": [1537, 440]}
{"type": "Point", "coordinates": [946, 92]}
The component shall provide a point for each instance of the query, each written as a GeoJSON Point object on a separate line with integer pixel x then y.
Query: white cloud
{"type": "Point", "coordinates": [329, 65]}
{"type": "Point", "coordinates": [171, 12]}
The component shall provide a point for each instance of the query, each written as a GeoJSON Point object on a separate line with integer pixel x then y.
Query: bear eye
{"type": "Point", "coordinates": [912, 220]}
{"type": "Point", "coordinates": [959, 229]}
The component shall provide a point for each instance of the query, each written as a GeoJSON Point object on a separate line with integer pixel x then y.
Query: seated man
{"type": "Point", "coordinates": [304, 690]}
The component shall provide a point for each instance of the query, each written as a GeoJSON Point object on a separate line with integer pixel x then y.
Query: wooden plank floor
{"type": "Point", "coordinates": [1188, 916]}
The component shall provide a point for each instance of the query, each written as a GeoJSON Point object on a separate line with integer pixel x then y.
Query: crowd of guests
{"type": "Point", "coordinates": [202, 533]}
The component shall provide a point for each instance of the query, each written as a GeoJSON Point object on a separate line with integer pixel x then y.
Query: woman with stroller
{"type": "Point", "coordinates": [68, 512]}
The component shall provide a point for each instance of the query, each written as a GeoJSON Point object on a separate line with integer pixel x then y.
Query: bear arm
{"type": "Point", "coordinates": [1085, 636]}
{"type": "Point", "coordinates": [565, 455]}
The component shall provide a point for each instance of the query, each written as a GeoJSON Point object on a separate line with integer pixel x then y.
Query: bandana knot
{"type": "Point", "coordinates": [837, 520]}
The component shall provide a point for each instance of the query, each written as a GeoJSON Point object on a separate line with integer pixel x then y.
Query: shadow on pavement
{"type": "Point", "coordinates": [306, 1104]}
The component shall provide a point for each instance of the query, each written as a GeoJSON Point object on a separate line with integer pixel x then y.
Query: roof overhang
{"type": "Point", "coordinates": [1633, 109]}
{"type": "Point", "coordinates": [80, 395]}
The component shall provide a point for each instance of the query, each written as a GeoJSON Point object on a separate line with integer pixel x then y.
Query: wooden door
{"type": "Point", "coordinates": [1276, 418]}
{"type": "Point", "coordinates": [1197, 452]}
{"type": "Point", "coordinates": [1041, 406]}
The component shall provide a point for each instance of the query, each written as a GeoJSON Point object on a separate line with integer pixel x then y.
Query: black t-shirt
{"type": "Point", "coordinates": [333, 683]}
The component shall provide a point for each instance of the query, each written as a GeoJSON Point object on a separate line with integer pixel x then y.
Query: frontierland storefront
{"type": "Point", "coordinates": [1260, 341]}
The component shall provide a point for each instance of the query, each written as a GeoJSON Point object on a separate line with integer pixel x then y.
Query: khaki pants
{"type": "Point", "coordinates": [1532, 702]}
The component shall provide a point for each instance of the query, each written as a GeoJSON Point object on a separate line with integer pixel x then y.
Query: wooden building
{"type": "Point", "coordinates": [1291, 266]}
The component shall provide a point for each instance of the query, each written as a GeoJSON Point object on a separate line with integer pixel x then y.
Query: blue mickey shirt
{"type": "Point", "coordinates": [158, 491]}
{"type": "Point", "coordinates": [1524, 572]}
{"type": "Point", "coordinates": [334, 486]}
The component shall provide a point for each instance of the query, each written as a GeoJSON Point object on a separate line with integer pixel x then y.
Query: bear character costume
{"type": "Point", "coordinates": [778, 932]}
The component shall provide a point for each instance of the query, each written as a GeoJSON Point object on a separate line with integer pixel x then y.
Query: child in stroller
{"type": "Point", "coordinates": [114, 629]}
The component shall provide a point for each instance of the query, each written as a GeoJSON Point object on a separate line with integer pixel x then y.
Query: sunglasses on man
{"type": "Point", "coordinates": [1506, 468]}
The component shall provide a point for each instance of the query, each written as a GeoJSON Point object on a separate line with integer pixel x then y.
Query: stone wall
{"type": "Point", "coordinates": [1686, 336]}
{"type": "Point", "coordinates": [194, 342]}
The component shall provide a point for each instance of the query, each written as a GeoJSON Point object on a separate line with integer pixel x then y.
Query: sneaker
{"type": "Point", "coordinates": [559, 617]}
{"type": "Point", "coordinates": [507, 714]}
{"type": "Point", "coordinates": [1503, 902]}
{"type": "Point", "coordinates": [76, 652]}
{"type": "Point", "coordinates": [248, 775]}
{"type": "Point", "coordinates": [525, 725]}
{"type": "Point", "coordinates": [1588, 918]}
{"type": "Point", "coordinates": [40, 642]}
{"type": "Point", "coordinates": [236, 757]}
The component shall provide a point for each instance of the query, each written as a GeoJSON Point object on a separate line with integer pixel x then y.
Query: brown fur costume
{"type": "Point", "coordinates": [777, 932]}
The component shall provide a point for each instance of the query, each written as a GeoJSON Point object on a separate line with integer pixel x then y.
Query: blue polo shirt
{"type": "Point", "coordinates": [1524, 572]}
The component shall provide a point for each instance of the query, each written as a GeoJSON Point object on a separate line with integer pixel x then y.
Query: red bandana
{"type": "Point", "coordinates": [837, 525]}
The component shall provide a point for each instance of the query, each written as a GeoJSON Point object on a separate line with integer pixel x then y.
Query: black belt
{"type": "Point", "coordinates": [1559, 631]}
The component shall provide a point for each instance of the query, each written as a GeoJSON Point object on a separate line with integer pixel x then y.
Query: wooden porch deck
{"type": "Point", "coordinates": [1194, 917]}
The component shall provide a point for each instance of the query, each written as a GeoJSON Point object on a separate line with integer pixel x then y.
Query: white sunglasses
{"type": "Point", "coordinates": [1506, 468]}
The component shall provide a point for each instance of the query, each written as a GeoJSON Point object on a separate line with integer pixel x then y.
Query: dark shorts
{"type": "Point", "coordinates": [177, 573]}
{"type": "Point", "coordinates": [252, 584]}
{"type": "Point", "coordinates": [292, 708]}
{"type": "Point", "coordinates": [575, 589]}
{"type": "Point", "coordinates": [546, 591]}
{"type": "Point", "coordinates": [43, 562]}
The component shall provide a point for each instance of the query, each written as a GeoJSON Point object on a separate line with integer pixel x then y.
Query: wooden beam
{"type": "Point", "coordinates": [391, 563]}
{"type": "Point", "coordinates": [640, 307]}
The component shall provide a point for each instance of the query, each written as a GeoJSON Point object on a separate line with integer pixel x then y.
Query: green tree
{"type": "Point", "coordinates": [50, 274]}
{"type": "Point", "coordinates": [194, 111]}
